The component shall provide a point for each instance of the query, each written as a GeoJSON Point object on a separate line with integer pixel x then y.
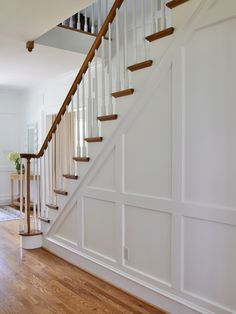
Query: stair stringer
{"type": "Point", "coordinates": [111, 266]}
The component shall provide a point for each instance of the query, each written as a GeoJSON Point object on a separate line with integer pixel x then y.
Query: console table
{"type": "Point", "coordinates": [15, 177]}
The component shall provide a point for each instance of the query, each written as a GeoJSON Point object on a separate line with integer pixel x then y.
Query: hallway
{"type": "Point", "coordinates": [39, 282]}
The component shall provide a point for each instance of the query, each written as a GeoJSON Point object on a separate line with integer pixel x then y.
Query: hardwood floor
{"type": "Point", "coordinates": [38, 282]}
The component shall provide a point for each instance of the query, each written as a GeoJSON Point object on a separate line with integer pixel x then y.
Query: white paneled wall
{"type": "Point", "coordinates": [158, 208]}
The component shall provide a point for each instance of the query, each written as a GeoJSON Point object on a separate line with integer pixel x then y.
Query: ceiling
{"type": "Point", "coordinates": [25, 20]}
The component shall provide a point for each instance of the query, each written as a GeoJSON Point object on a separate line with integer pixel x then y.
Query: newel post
{"type": "Point", "coordinates": [29, 238]}
{"type": "Point", "coordinates": [28, 158]}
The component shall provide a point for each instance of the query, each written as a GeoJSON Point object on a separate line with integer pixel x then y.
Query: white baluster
{"type": "Point", "coordinates": [143, 29]}
{"type": "Point", "coordinates": [62, 149]}
{"type": "Point", "coordinates": [83, 117]}
{"type": "Point", "coordinates": [67, 129]}
{"type": "Point", "coordinates": [152, 14]}
{"type": "Point", "coordinates": [64, 145]}
{"type": "Point", "coordinates": [45, 186]}
{"type": "Point", "coordinates": [53, 167]}
{"type": "Point", "coordinates": [95, 107]}
{"type": "Point", "coordinates": [106, 10]}
{"type": "Point", "coordinates": [35, 194]}
{"type": "Point", "coordinates": [38, 188]}
{"type": "Point", "coordinates": [134, 30]}
{"type": "Point", "coordinates": [118, 84]}
{"type": "Point", "coordinates": [72, 155]}
{"type": "Point", "coordinates": [41, 203]}
{"type": "Point", "coordinates": [26, 196]}
{"type": "Point", "coordinates": [89, 102]}
{"type": "Point", "coordinates": [93, 22]}
{"type": "Point", "coordinates": [85, 21]}
{"type": "Point", "coordinates": [103, 104]}
{"type": "Point", "coordinates": [49, 174]}
{"type": "Point", "coordinates": [156, 15]}
{"type": "Point", "coordinates": [99, 15]}
{"type": "Point", "coordinates": [78, 122]}
{"type": "Point", "coordinates": [78, 21]}
{"type": "Point", "coordinates": [57, 156]}
{"type": "Point", "coordinates": [110, 104]}
{"type": "Point", "coordinates": [42, 186]}
{"type": "Point", "coordinates": [163, 14]}
{"type": "Point", "coordinates": [126, 79]}
{"type": "Point", "coordinates": [71, 22]}
{"type": "Point", "coordinates": [21, 226]}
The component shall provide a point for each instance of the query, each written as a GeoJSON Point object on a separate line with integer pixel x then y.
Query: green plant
{"type": "Point", "coordinates": [15, 158]}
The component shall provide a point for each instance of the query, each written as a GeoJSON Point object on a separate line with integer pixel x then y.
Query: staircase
{"type": "Point", "coordinates": [94, 110]}
{"type": "Point", "coordinates": [90, 103]}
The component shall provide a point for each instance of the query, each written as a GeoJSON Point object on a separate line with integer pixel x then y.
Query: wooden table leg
{"type": "Point", "coordinates": [12, 191]}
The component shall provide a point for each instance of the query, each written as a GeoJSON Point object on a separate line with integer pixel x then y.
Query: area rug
{"type": "Point", "coordinates": [9, 213]}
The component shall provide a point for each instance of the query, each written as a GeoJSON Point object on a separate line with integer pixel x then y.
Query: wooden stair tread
{"type": "Point", "coordinates": [52, 206]}
{"type": "Point", "coordinates": [161, 34]}
{"type": "Point", "coordinates": [61, 192]}
{"type": "Point", "coordinates": [70, 176]}
{"type": "Point", "coordinates": [82, 159]}
{"type": "Point", "coordinates": [174, 3]}
{"type": "Point", "coordinates": [139, 66]}
{"type": "Point", "coordinates": [93, 139]}
{"type": "Point", "coordinates": [45, 219]}
{"type": "Point", "coordinates": [124, 92]}
{"type": "Point", "coordinates": [32, 233]}
{"type": "Point", "coordinates": [108, 117]}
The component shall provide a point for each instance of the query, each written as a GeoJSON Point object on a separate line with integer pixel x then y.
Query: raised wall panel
{"type": "Point", "coordinates": [209, 261]}
{"type": "Point", "coordinates": [147, 149]}
{"type": "Point", "coordinates": [68, 228]}
{"type": "Point", "coordinates": [100, 226]}
{"type": "Point", "coordinates": [210, 116]}
{"type": "Point", "coordinates": [105, 177]}
{"type": "Point", "coordinates": [148, 239]}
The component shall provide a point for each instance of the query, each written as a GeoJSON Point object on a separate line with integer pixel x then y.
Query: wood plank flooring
{"type": "Point", "coordinates": [38, 282]}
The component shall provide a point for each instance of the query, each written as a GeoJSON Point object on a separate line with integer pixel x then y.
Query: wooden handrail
{"type": "Point", "coordinates": [117, 4]}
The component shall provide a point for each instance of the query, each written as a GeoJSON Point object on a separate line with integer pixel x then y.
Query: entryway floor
{"type": "Point", "coordinates": [37, 281]}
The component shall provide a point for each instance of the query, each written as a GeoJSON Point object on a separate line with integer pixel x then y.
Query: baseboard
{"type": "Point", "coordinates": [159, 298]}
{"type": "Point", "coordinates": [5, 201]}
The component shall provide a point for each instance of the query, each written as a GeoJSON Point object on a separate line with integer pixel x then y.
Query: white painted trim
{"type": "Point", "coordinates": [154, 295]}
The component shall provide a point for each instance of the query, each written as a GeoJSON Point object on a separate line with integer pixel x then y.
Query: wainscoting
{"type": "Point", "coordinates": [159, 207]}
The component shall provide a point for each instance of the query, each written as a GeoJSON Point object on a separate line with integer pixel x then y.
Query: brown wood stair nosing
{"type": "Point", "coordinates": [139, 66]}
{"type": "Point", "coordinates": [81, 159]}
{"type": "Point", "coordinates": [52, 206]}
{"type": "Point", "coordinates": [93, 139]}
{"type": "Point", "coordinates": [45, 219]}
{"type": "Point", "coordinates": [174, 3]}
{"type": "Point", "coordinates": [61, 192]}
{"type": "Point", "coordinates": [108, 117]}
{"type": "Point", "coordinates": [70, 176]}
{"type": "Point", "coordinates": [31, 234]}
{"type": "Point", "coordinates": [161, 34]}
{"type": "Point", "coordinates": [125, 92]}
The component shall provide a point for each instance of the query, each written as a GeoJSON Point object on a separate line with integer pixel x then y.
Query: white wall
{"type": "Point", "coordinates": [10, 122]}
{"type": "Point", "coordinates": [45, 99]}
{"type": "Point", "coordinates": [159, 208]}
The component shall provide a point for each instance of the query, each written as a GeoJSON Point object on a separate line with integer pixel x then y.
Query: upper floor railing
{"type": "Point", "coordinates": [90, 19]}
